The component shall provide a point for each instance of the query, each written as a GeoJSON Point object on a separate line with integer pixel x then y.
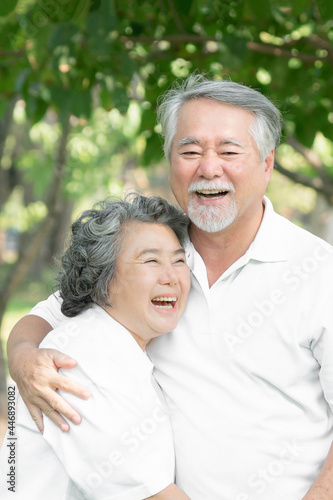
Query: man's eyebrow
{"type": "Point", "coordinates": [159, 251]}
{"type": "Point", "coordinates": [193, 140]}
{"type": "Point", "coordinates": [231, 141]}
{"type": "Point", "coordinates": [188, 140]}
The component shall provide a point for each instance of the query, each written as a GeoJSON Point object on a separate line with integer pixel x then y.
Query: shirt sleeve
{"type": "Point", "coordinates": [123, 448]}
{"type": "Point", "coordinates": [321, 341]}
{"type": "Point", "coordinates": [24, 452]}
{"type": "Point", "coordinates": [50, 310]}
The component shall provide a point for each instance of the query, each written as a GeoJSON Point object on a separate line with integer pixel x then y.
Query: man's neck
{"type": "Point", "coordinates": [220, 250]}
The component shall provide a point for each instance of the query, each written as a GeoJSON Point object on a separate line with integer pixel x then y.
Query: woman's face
{"type": "Point", "coordinates": [152, 281]}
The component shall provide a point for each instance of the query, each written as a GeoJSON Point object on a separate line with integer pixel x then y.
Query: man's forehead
{"type": "Point", "coordinates": [193, 123]}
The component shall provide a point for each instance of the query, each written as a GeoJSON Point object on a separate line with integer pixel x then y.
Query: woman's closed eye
{"type": "Point", "coordinates": [180, 261]}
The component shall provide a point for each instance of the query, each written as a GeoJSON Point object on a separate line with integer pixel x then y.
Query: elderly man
{"type": "Point", "coordinates": [248, 372]}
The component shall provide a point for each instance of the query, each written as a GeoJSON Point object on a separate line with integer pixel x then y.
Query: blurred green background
{"type": "Point", "coordinates": [79, 80]}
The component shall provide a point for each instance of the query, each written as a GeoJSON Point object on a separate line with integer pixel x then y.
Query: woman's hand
{"type": "Point", "coordinates": [35, 372]}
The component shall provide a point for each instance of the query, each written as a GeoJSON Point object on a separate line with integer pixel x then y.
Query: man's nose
{"type": "Point", "coordinates": [210, 166]}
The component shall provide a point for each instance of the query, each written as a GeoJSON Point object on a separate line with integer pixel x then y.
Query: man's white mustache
{"type": "Point", "coordinates": [216, 185]}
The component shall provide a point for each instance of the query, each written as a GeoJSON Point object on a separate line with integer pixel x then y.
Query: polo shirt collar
{"type": "Point", "coordinates": [271, 243]}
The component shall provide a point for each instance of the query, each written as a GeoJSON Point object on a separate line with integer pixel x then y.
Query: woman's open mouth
{"type": "Point", "coordinates": [162, 302]}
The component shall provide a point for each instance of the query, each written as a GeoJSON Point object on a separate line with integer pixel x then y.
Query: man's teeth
{"type": "Point", "coordinates": [203, 193]}
{"type": "Point", "coordinates": [210, 191]}
{"type": "Point", "coordinates": [164, 299]}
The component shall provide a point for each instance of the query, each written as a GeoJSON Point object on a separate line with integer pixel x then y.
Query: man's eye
{"type": "Point", "coordinates": [190, 153]}
{"type": "Point", "coordinates": [180, 261]}
{"type": "Point", "coordinates": [150, 261]}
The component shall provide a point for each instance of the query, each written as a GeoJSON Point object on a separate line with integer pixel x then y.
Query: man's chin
{"type": "Point", "coordinates": [211, 218]}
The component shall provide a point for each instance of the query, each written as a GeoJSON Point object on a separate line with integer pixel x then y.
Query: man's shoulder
{"type": "Point", "coordinates": [288, 229]}
{"type": "Point", "coordinates": [298, 234]}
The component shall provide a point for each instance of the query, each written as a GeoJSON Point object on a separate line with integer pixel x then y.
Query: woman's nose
{"type": "Point", "coordinates": [168, 276]}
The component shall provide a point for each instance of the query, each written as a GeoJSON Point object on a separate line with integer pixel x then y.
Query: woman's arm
{"type": "Point", "coordinates": [36, 373]}
{"type": "Point", "coordinates": [172, 492]}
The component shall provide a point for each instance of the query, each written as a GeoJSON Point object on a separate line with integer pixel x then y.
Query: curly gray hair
{"type": "Point", "coordinates": [266, 127]}
{"type": "Point", "coordinates": [89, 263]}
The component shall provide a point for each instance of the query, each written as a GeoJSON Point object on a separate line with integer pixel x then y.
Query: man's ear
{"type": "Point", "coordinates": [269, 164]}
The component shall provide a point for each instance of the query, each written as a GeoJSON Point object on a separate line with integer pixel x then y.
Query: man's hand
{"type": "Point", "coordinates": [322, 488]}
{"type": "Point", "coordinates": [37, 378]}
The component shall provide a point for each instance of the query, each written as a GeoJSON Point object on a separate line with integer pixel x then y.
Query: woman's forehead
{"type": "Point", "coordinates": [139, 236]}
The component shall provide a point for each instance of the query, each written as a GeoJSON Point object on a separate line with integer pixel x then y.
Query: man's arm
{"type": "Point", "coordinates": [35, 372]}
{"type": "Point", "coordinates": [322, 488]}
{"type": "Point", "coordinates": [172, 492]}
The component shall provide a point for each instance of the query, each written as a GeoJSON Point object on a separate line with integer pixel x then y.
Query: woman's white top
{"type": "Point", "coordinates": [123, 448]}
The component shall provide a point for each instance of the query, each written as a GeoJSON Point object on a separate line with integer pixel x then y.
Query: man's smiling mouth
{"type": "Point", "coordinates": [211, 194]}
{"type": "Point", "coordinates": [164, 302]}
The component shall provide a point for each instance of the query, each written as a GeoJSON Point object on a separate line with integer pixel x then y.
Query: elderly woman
{"type": "Point", "coordinates": [124, 280]}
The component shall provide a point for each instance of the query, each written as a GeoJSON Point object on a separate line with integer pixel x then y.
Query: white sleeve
{"type": "Point", "coordinates": [34, 470]}
{"type": "Point", "coordinates": [322, 331]}
{"type": "Point", "coordinates": [123, 448]}
{"type": "Point", "coordinates": [50, 310]}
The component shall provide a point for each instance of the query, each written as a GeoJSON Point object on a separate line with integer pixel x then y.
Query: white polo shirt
{"type": "Point", "coordinates": [123, 449]}
{"type": "Point", "coordinates": [248, 372]}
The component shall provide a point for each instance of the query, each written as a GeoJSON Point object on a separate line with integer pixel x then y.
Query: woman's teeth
{"type": "Point", "coordinates": [165, 302]}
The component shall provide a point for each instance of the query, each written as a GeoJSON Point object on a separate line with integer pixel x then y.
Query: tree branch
{"type": "Point", "coordinates": [314, 160]}
{"type": "Point", "coordinates": [262, 48]}
{"type": "Point", "coordinates": [312, 182]}
{"type": "Point", "coordinates": [277, 51]}
{"type": "Point", "coordinates": [16, 54]}
{"type": "Point", "coordinates": [172, 39]}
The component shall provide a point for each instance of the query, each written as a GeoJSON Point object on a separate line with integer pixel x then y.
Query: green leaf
{"type": "Point", "coordinates": [35, 108]}
{"type": "Point", "coordinates": [259, 8]}
{"type": "Point", "coordinates": [21, 80]}
{"type": "Point", "coordinates": [99, 25]}
{"type": "Point", "coordinates": [148, 120]}
{"type": "Point", "coordinates": [298, 6]}
{"type": "Point", "coordinates": [77, 102]}
{"type": "Point", "coordinates": [106, 100]}
{"type": "Point", "coordinates": [153, 152]}
{"type": "Point", "coordinates": [7, 6]}
{"type": "Point", "coordinates": [183, 6]}
{"type": "Point", "coordinates": [326, 9]}
{"type": "Point", "coordinates": [62, 34]}
{"type": "Point", "coordinates": [80, 103]}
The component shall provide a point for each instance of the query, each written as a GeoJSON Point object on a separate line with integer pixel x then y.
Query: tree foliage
{"type": "Point", "coordinates": [76, 58]}
{"type": "Point", "coordinates": [61, 54]}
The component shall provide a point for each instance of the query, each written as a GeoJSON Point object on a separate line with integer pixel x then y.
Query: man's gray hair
{"type": "Point", "coordinates": [89, 263]}
{"type": "Point", "coordinates": [266, 127]}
